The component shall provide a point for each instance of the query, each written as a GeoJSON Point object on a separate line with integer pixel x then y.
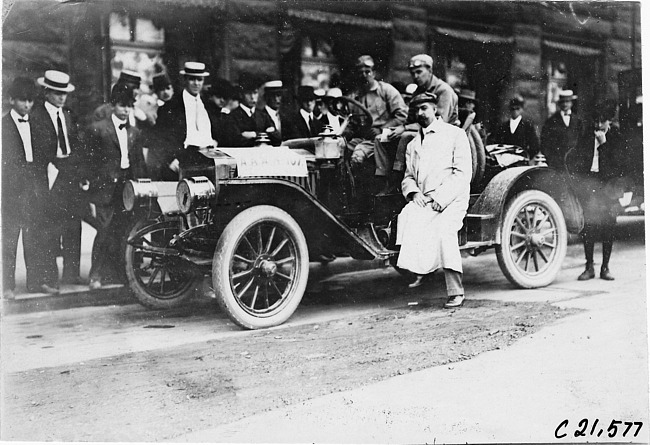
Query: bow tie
{"type": "Point", "coordinates": [22, 121]}
{"type": "Point", "coordinates": [566, 113]}
{"type": "Point", "coordinates": [124, 125]}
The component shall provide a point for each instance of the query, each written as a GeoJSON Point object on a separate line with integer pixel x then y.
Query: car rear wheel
{"type": "Point", "coordinates": [533, 240]}
{"type": "Point", "coordinates": [260, 267]}
{"type": "Point", "coordinates": [158, 280]}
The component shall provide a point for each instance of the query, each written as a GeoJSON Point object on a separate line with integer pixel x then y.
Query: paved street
{"type": "Point", "coordinates": [589, 365]}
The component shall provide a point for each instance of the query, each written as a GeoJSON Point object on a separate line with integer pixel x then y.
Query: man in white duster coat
{"type": "Point", "coordinates": [436, 186]}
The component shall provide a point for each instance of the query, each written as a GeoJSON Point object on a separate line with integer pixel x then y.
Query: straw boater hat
{"type": "Point", "coordinates": [273, 86]}
{"type": "Point", "coordinates": [566, 95]}
{"type": "Point", "coordinates": [196, 69]}
{"type": "Point", "coordinates": [56, 80]}
{"type": "Point", "coordinates": [334, 93]}
{"type": "Point", "coordinates": [130, 78]}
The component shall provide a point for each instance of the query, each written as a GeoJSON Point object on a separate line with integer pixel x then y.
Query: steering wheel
{"type": "Point", "coordinates": [357, 118]}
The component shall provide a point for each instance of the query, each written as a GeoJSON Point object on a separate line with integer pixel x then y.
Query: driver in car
{"type": "Point", "coordinates": [388, 110]}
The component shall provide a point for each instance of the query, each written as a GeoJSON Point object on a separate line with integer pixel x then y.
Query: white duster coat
{"type": "Point", "coordinates": [440, 166]}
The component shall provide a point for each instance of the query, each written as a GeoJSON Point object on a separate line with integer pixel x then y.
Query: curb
{"type": "Point", "coordinates": [70, 297]}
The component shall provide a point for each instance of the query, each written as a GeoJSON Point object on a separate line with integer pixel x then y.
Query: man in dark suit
{"type": "Point", "coordinates": [242, 118]}
{"type": "Point", "coordinates": [184, 124]}
{"type": "Point", "coordinates": [517, 130]}
{"type": "Point", "coordinates": [561, 130]}
{"type": "Point", "coordinates": [24, 187]}
{"type": "Point", "coordinates": [268, 119]}
{"type": "Point", "coordinates": [302, 123]}
{"type": "Point", "coordinates": [596, 169]}
{"type": "Point", "coordinates": [115, 155]}
{"type": "Point", "coordinates": [221, 98]}
{"type": "Point", "coordinates": [55, 135]}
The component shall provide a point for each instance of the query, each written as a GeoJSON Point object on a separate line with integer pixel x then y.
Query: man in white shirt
{"type": "Point", "coordinates": [517, 130]}
{"type": "Point", "coordinates": [184, 124]}
{"type": "Point", "coordinates": [268, 119]}
{"type": "Point", "coordinates": [24, 185]}
{"type": "Point", "coordinates": [55, 135]}
{"type": "Point", "coordinates": [115, 156]}
{"type": "Point", "coordinates": [561, 131]}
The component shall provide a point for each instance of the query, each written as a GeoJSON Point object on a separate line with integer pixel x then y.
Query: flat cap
{"type": "Point", "coordinates": [424, 97]}
{"type": "Point", "coordinates": [421, 60]}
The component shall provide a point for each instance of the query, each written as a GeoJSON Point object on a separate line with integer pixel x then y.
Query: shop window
{"type": "Point", "coordinates": [318, 65]}
{"type": "Point", "coordinates": [136, 45]}
{"type": "Point", "coordinates": [557, 74]}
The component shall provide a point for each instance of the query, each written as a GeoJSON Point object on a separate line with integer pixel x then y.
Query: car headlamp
{"type": "Point", "coordinates": [138, 193]}
{"type": "Point", "coordinates": [194, 193]}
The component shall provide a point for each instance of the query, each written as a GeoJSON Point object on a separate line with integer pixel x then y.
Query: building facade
{"type": "Point", "coordinates": [496, 48]}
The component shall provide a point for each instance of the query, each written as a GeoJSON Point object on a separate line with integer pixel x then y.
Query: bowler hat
{"type": "Point", "coordinates": [424, 97]}
{"type": "Point", "coordinates": [248, 83]}
{"type": "Point", "coordinates": [56, 80]}
{"type": "Point", "coordinates": [305, 93]}
{"type": "Point", "coordinates": [22, 88]}
{"type": "Point", "coordinates": [566, 95]}
{"type": "Point", "coordinates": [366, 60]}
{"type": "Point", "coordinates": [517, 101]}
{"type": "Point", "coordinates": [196, 69]}
{"type": "Point", "coordinates": [421, 60]}
{"type": "Point", "coordinates": [122, 94]}
{"type": "Point", "coordinates": [161, 81]}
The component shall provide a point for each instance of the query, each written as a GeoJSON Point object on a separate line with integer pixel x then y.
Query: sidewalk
{"type": "Point", "coordinates": [70, 295]}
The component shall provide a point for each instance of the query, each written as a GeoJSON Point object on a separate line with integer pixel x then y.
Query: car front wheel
{"type": "Point", "coordinates": [260, 267]}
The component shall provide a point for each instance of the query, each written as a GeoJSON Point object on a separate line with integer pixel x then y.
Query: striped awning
{"type": "Point", "coordinates": [339, 19]}
{"type": "Point", "coordinates": [473, 36]}
{"type": "Point", "coordinates": [572, 48]}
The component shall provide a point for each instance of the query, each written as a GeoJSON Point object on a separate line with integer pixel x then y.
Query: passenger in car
{"type": "Point", "coordinates": [268, 118]}
{"type": "Point", "coordinates": [243, 116]}
{"type": "Point", "coordinates": [436, 185]}
{"type": "Point", "coordinates": [302, 123]}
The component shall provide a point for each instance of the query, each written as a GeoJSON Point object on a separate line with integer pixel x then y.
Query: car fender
{"type": "Point", "coordinates": [507, 183]}
{"type": "Point", "coordinates": [324, 231]}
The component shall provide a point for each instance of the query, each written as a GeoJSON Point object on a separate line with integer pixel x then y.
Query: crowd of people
{"type": "Point", "coordinates": [56, 174]}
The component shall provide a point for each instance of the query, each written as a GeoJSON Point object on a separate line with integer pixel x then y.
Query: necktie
{"type": "Point", "coordinates": [311, 125]}
{"type": "Point", "coordinates": [197, 114]}
{"type": "Point", "coordinates": [60, 135]}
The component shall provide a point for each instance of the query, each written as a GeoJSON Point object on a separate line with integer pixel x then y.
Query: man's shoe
{"type": "Point", "coordinates": [47, 289]}
{"type": "Point", "coordinates": [418, 281]}
{"type": "Point", "coordinates": [9, 294]}
{"type": "Point", "coordinates": [95, 284]}
{"type": "Point", "coordinates": [588, 274]}
{"type": "Point", "coordinates": [455, 301]}
{"type": "Point", "coordinates": [605, 275]}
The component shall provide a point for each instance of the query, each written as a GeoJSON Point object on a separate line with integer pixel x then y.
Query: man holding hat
{"type": "Point", "coordinates": [24, 187]}
{"type": "Point", "coordinates": [436, 185]}
{"type": "Point", "coordinates": [115, 156]}
{"type": "Point", "coordinates": [242, 118]}
{"type": "Point", "coordinates": [55, 135]}
{"type": "Point", "coordinates": [561, 131]}
{"type": "Point", "coordinates": [267, 119]}
{"type": "Point", "coordinates": [517, 130]}
{"type": "Point", "coordinates": [184, 124]}
{"type": "Point", "coordinates": [303, 123]}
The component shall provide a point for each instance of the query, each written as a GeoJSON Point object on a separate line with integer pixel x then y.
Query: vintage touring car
{"type": "Point", "coordinates": [255, 218]}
